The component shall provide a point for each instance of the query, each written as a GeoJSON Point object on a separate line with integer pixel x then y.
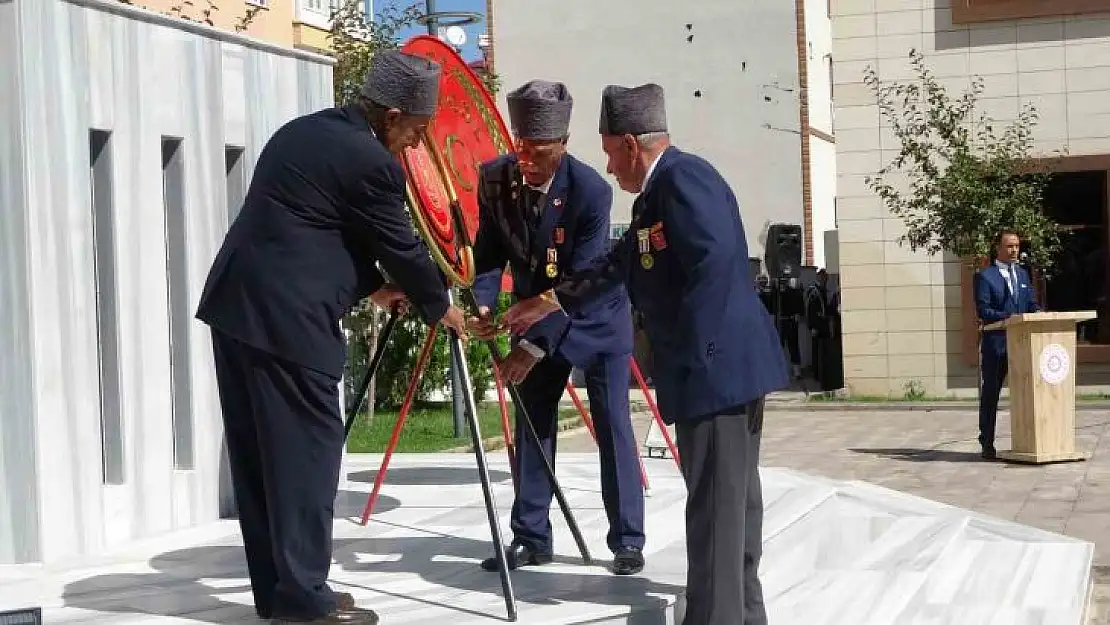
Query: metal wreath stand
{"type": "Point", "coordinates": [456, 278]}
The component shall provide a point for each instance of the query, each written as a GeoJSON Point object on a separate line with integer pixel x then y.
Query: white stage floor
{"type": "Point", "coordinates": [835, 553]}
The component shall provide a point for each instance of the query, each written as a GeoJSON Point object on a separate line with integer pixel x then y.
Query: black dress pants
{"type": "Point", "coordinates": [285, 445]}
{"type": "Point", "coordinates": [724, 517]}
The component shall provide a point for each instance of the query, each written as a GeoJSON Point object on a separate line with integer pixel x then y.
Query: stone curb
{"type": "Point", "coordinates": [912, 406]}
{"type": "Point", "coordinates": [495, 443]}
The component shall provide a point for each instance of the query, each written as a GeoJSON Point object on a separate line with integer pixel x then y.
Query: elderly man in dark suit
{"type": "Point", "coordinates": [325, 204]}
{"type": "Point", "coordinates": [1001, 289]}
{"type": "Point", "coordinates": [546, 214]}
{"type": "Point", "coordinates": [717, 354]}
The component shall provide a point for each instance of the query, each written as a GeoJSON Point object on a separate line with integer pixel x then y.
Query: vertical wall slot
{"type": "Point", "coordinates": [177, 278]}
{"type": "Point", "coordinates": [235, 169]}
{"type": "Point", "coordinates": [107, 308]}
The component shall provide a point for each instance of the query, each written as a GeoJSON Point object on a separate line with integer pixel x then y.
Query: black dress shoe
{"type": "Point", "coordinates": [628, 561]}
{"type": "Point", "coordinates": [354, 616]}
{"type": "Point", "coordinates": [989, 453]}
{"type": "Point", "coordinates": [518, 555]}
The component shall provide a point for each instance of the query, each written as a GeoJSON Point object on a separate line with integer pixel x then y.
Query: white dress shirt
{"type": "Point", "coordinates": [1009, 273]}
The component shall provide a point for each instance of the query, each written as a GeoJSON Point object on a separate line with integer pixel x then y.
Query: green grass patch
{"type": "Point", "coordinates": [428, 428]}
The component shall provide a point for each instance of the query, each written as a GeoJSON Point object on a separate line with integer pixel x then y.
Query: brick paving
{"type": "Point", "coordinates": [934, 454]}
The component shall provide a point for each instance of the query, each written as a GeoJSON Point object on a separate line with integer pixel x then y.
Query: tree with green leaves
{"type": "Point", "coordinates": [968, 178]}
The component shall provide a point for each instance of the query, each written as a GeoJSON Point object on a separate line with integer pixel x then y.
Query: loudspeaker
{"type": "Point", "coordinates": [756, 267]}
{"type": "Point", "coordinates": [808, 275]}
{"type": "Point", "coordinates": [783, 254]}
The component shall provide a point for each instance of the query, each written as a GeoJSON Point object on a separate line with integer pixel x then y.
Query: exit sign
{"type": "Point", "coordinates": [31, 616]}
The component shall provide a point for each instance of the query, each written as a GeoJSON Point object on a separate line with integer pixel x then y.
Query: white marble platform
{"type": "Point", "coordinates": [835, 553]}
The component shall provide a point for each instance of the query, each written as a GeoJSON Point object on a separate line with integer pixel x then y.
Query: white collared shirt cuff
{"type": "Point", "coordinates": [531, 349]}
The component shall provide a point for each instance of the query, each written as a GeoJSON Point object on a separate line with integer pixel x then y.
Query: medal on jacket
{"type": "Point", "coordinates": [559, 236]}
{"type": "Point", "coordinates": [552, 269]}
{"type": "Point", "coordinates": [643, 236]}
{"type": "Point", "coordinates": [658, 240]}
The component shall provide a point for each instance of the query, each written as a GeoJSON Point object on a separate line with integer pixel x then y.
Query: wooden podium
{"type": "Point", "coordinates": [1041, 354]}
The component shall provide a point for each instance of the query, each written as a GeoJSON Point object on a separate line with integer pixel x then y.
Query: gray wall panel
{"type": "Point", "coordinates": [18, 487]}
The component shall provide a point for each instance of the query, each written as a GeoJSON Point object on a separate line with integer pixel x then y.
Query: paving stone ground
{"type": "Point", "coordinates": [935, 455]}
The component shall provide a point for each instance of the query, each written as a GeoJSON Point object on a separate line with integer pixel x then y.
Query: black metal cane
{"type": "Point", "coordinates": [364, 384]}
{"type": "Point", "coordinates": [530, 428]}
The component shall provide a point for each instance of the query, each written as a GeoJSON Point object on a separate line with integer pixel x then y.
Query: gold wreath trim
{"type": "Point", "coordinates": [466, 255]}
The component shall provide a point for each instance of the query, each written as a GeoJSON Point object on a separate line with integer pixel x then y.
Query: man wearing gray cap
{"type": "Point", "coordinates": [717, 355]}
{"type": "Point", "coordinates": [325, 205]}
{"type": "Point", "coordinates": [546, 214]}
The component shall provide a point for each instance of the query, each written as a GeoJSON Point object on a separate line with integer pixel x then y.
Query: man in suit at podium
{"type": "Point", "coordinates": [546, 214]}
{"type": "Point", "coordinates": [1001, 289]}
{"type": "Point", "coordinates": [717, 354]}
{"type": "Point", "coordinates": [326, 203]}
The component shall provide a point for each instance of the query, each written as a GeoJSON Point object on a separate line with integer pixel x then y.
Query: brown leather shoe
{"type": "Point", "coordinates": [355, 616]}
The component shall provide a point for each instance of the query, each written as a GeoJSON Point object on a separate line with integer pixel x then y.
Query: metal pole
{"type": "Point", "coordinates": [458, 405]}
{"type": "Point", "coordinates": [368, 376]}
{"type": "Point", "coordinates": [429, 11]}
{"type": "Point", "coordinates": [458, 355]}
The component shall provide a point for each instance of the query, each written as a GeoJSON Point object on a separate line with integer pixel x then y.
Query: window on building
{"type": "Point", "coordinates": [236, 172]}
{"type": "Point", "coordinates": [972, 11]}
{"type": "Point", "coordinates": [181, 318]}
{"type": "Point", "coordinates": [324, 7]}
{"type": "Point", "coordinates": [107, 320]}
{"type": "Point", "coordinates": [1077, 201]}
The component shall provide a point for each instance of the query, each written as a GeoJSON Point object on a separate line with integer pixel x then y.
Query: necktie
{"type": "Point", "coordinates": [534, 196]}
{"type": "Point", "coordinates": [1013, 279]}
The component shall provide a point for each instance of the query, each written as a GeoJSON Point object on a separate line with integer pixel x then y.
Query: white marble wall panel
{"type": "Point", "coordinates": [17, 450]}
{"type": "Point", "coordinates": [140, 77]}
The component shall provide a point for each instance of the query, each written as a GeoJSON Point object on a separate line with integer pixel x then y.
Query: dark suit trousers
{"type": "Point", "coordinates": [621, 489]}
{"type": "Point", "coordinates": [285, 445]}
{"type": "Point", "coordinates": [993, 371]}
{"type": "Point", "coordinates": [724, 517]}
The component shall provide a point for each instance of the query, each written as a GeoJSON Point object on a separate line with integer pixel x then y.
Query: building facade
{"type": "Point", "coordinates": [731, 74]}
{"type": "Point", "coordinates": [303, 24]}
{"type": "Point", "coordinates": [908, 319]}
{"type": "Point", "coordinates": [120, 170]}
{"type": "Point", "coordinates": [818, 134]}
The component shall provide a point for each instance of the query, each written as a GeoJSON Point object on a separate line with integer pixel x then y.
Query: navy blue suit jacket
{"type": "Point", "coordinates": [326, 202]}
{"type": "Point", "coordinates": [715, 346]}
{"type": "Point", "coordinates": [994, 302]}
{"type": "Point", "coordinates": [575, 224]}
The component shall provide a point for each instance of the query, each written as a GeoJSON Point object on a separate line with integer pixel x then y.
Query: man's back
{"type": "Point", "coordinates": [299, 254]}
{"type": "Point", "coordinates": [715, 344]}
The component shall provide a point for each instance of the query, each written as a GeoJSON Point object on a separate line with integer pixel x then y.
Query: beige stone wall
{"type": "Point", "coordinates": [273, 23]}
{"type": "Point", "coordinates": [902, 311]}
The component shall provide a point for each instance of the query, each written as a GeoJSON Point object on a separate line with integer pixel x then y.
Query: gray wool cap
{"type": "Point", "coordinates": [540, 110]}
{"type": "Point", "coordinates": [633, 110]}
{"type": "Point", "coordinates": [402, 81]}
